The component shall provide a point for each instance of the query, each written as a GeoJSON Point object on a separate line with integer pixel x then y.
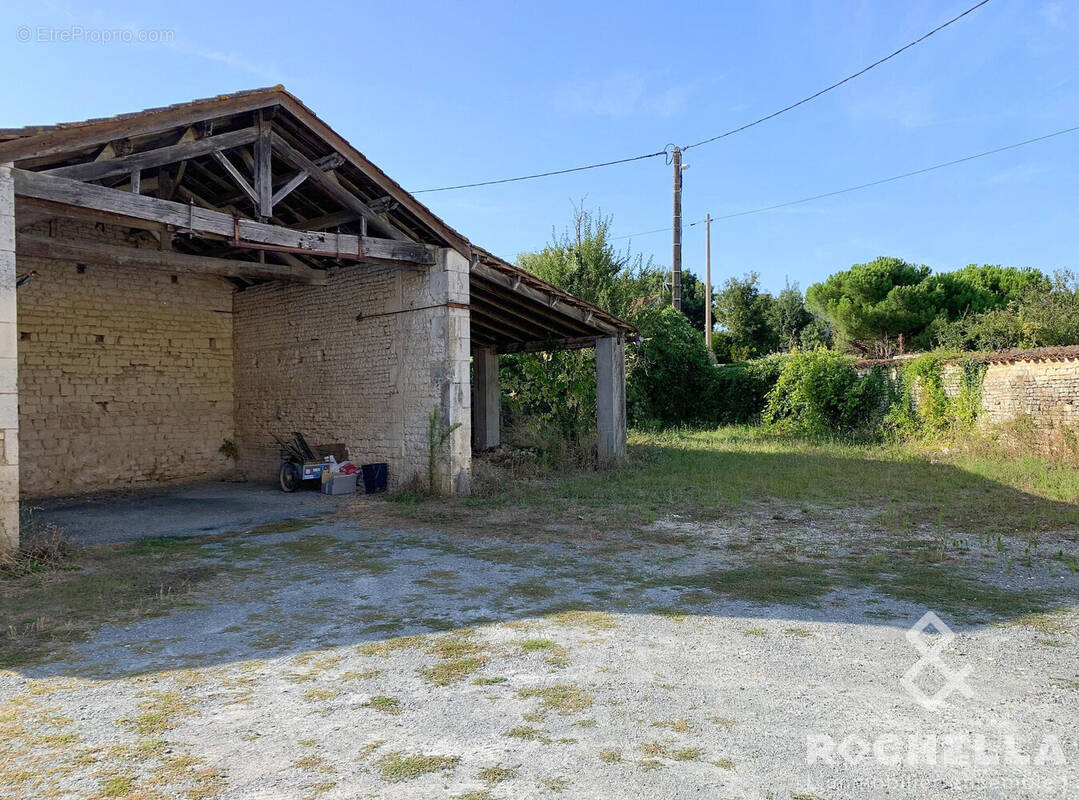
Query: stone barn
{"type": "Point", "coordinates": [182, 284]}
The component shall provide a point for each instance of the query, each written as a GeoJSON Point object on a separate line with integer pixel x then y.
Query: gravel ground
{"type": "Point", "coordinates": [342, 662]}
{"type": "Point", "coordinates": [180, 510]}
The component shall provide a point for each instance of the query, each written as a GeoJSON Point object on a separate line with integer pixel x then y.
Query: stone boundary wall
{"type": "Point", "coordinates": [1038, 388]}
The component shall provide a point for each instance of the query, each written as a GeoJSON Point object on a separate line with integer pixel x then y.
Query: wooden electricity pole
{"type": "Point", "coordinates": [708, 281]}
{"type": "Point", "coordinates": [676, 255]}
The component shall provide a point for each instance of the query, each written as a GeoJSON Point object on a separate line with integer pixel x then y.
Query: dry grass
{"type": "Point", "coordinates": [395, 767]}
{"type": "Point", "coordinates": [564, 699]}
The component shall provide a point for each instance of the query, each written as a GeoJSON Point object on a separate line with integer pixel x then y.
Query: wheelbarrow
{"type": "Point", "coordinates": [300, 463]}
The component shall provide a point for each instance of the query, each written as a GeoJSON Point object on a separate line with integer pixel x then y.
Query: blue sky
{"type": "Point", "coordinates": [443, 93]}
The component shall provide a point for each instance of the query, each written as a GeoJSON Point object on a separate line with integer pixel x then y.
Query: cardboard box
{"type": "Point", "coordinates": [338, 483]}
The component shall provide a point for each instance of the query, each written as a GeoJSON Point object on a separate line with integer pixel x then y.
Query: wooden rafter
{"type": "Point", "coordinates": [236, 176]}
{"type": "Point", "coordinates": [155, 259]}
{"type": "Point", "coordinates": [332, 187]}
{"type": "Point", "coordinates": [201, 221]}
{"type": "Point", "coordinates": [123, 165]}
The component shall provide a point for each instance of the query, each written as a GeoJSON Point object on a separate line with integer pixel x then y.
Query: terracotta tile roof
{"type": "Point", "coordinates": [1060, 353]}
{"type": "Point", "coordinates": [280, 94]}
{"type": "Point", "coordinates": [1033, 354]}
{"type": "Point", "coordinates": [7, 134]}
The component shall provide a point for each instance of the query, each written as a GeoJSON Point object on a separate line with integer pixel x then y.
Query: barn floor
{"type": "Point", "coordinates": [332, 659]}
{"type": "Point", "coordinates": [180, 510]}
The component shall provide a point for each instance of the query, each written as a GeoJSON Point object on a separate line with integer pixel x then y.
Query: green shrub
{"type": "Point", "coordinates": [670, 377]}
{"type": "Point", "coordinates": [818, 394]}
{"type": "Point", "coordinates": [920, 404]}
{"type": "Point", "coordinates": [553, 394]}
{"type": "Point", "coordinates": [741, 389]}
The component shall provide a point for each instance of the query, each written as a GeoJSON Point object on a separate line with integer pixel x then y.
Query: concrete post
{"type": "Point", "coordinates": [611, 398]}
{"type": "Point", "coordinates": [486, 399]}
{"type": "Point", "coordinates": [9, 388]}
{"type": "Point", "coordinates": [449, 281]}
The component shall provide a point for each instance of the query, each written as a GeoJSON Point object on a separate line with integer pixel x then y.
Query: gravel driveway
{"type": "Point", "coordinates": [687, 660]}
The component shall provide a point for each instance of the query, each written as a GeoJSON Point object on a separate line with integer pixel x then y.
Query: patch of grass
{"type": "Point", "coordinates": [534, 645]}
{"type": "Point", "coordinates": [43, 547]}
{"type": "Point", "coordinates": [447, 673]}
{"type": "Point", "coordinates": [117, 786]}
{"type": "Point", "coordinates": [653, 749]}
{"type": "Point", "coordinates": [478, 794]}
{"type": "Point", "coordinates": [368, 749]}
{"type": "Point", "coordinates": [388, 647]}
{"type": "Point", "coordinates": [582, 618]}
{"type": "Point", "coordinates": [285, 526]}
{"type": "Point", "coordinates": [565, 699]}
{"type": "Point", "coordinates": [787, 583]}
{"type": "Point", "coordinates": [680, 725]}
{"type": "Point", "coordinates": [687, 754]}
{"type": "Point", "coordinates": [531, 589]}
{"type": "Point", "coordinates": [800, 633]}
{"type": "Point", "coordinates": [162, 712]}
{"type": "Point", "coordinates": [492, 681]}
{"type": "Point", "coordinates": [322, 693]}
{"type": "Point", "coordinates": [1047, 623]}
{"type": "Point", "coordinates": [752, 631]}
{"type": "Point", "coordinates": [495, 775]}
{"type": "Point", "coordinates": [359, 675]}
{"type": "Point", "coordinates": [723, 763]}
{"type": "Point", "coordinates": [45, 611]}
{"type": "Point", "coordinates": [672, 613]}
{"type": "Point", "coordinates": [610, 756]}
{"type": "Point", "coordinates": [314, 763]}
{"type": "Point", "coordinates": [555, 784]}
{"type": "Point", "coordinates": [385, 704]}
{"type": "Point", "coordinates": [942, 587]}
{"type": "Point", "coordinates": [528, 734]}
{"type": "Point", "coordinates": [395, 767]}
{"type": "Point", "coordinates": [453, 647]}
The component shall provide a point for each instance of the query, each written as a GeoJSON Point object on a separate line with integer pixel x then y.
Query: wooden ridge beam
{"type": "Point", "coordinates": [107, 168]}
{"type": "Point", "coordinates": [202, 221]}
{"type": "Point", "coordinates": [169, 261]}
{"type": "Point", "coordinates": [332, 187]}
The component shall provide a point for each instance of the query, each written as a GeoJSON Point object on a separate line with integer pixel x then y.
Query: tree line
{"type": "Point", "coordinates": [877, 309]}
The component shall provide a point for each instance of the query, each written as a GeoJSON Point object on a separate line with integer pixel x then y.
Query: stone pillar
{"type": "Point", "coordinates": [611, 398]}
{"type": "Point", "coordinates": [486, 399]}
{"type": "Point", "coordinates": [9, 389]}
{"type": "Point", "coordinates": [449, 283]}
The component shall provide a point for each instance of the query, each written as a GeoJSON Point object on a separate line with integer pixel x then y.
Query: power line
{"type": "Point", "coordinates": [837, 84]}
{"type": "Point", "coordinates": [546, 174]}
{"type": "Point", "coordinates": [868, 185]}
{"type": "Point", "coordinates": [731, 132]}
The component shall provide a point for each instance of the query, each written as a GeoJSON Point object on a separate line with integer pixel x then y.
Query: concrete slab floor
{"type": "Point", "coordinates": [181, 510]}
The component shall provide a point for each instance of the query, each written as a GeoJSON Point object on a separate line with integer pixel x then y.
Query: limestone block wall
{"type": "Point", "coordinates": [125, 375]}
{"type": "Point", "coordinates": [9, 414]}
{"type": "Point", "coordinates": [1043, 394]}
{"type": "Point", "coordinates": [363, 360]}
{"type": "Point", "coordinates": [1046, 391]}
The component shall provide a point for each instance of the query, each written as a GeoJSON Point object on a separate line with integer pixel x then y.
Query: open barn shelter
{"type": "Point", "coordinates": [181, 284]}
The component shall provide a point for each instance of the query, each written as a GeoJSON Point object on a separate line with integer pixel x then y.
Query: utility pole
{"type": "Point", "coordinates": [676, 255]}
{"type": "Point", "coordinates": [708, 281]}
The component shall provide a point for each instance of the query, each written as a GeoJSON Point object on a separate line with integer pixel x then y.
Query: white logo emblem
{"type": "Point", "coordinates": [930, 651]}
